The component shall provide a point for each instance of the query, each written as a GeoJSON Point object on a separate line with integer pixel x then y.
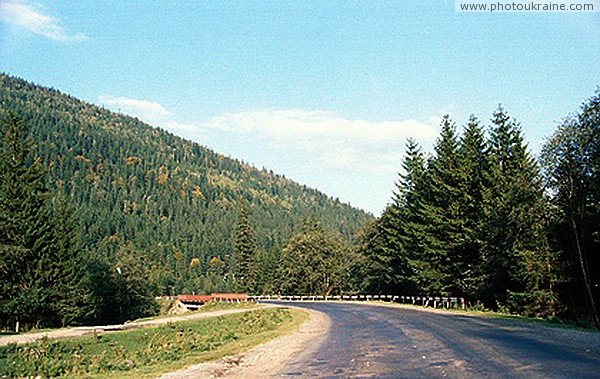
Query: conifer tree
{"type": "Point", "coordinates": [412, 179]}
{"type": "Point", "coordinates": [69, 268]}
{"type": "Point", "coordinates": [439, 229]}
{"type": "Point", "coordinates": [403, 230]}
{"type": "Point", "coordinates": [38, 261]}
{"type": "Point", "coordinates": [245, 250]}
{"type": "Point", "coordinates": [24, 226]}
{"type": "Point", "coordinates": [475, 167]}
{"type": "Point", "coordinates": [388, 243]}
{"type": "Point", "coordinates": [515, 250]}
{"type": "Point", "coordinates": [266, 264]}
{"type": "Point", "coordinates": [132, 292]}
{"type": "Point", "coordinates": [384, 270]}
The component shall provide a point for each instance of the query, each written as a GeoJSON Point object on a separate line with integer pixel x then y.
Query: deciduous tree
{"type": "Point", "coordinates": [571, 161]}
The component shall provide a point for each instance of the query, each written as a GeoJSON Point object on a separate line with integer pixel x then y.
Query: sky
{"type": "Point", "coordinates": [323, 92]}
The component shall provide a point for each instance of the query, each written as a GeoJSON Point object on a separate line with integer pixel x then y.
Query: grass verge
{"type": "Point", "coordinates": [148, 352]}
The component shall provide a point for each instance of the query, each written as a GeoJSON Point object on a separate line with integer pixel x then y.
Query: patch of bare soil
{"type": "Point", "coordinates": [265, 360]}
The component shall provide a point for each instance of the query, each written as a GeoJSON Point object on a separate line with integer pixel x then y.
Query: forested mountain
{"type": "Point", "coordinates": [137, 188]}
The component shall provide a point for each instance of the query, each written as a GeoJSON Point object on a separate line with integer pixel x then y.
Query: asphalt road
{"type": "Point", "coordinates": [393, 342]}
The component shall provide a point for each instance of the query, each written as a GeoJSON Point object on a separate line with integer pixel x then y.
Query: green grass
{"type": "Point", "coordinates": [148, 352]}
{"type": "Point", "coordinates": [218, 306]}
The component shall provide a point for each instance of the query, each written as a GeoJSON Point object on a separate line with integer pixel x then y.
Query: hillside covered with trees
{"type": "Point", "coordinates": [156, 214]}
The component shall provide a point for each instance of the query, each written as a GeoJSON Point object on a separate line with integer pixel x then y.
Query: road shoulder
{"type": "Point", "coordinates": [265, 360]}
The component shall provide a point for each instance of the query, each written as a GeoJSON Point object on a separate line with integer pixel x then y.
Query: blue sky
{"type": "Point", "coordinates": [325, 92]}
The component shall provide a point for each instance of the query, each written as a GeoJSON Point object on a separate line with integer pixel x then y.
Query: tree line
{"type": "Point", "coordinates": [480, 218]}
{"type": "Point", "coordinates": [483, 219]}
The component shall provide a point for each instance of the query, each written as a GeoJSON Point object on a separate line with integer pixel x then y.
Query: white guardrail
{"type": "Point", "coordinates": [445, 302]}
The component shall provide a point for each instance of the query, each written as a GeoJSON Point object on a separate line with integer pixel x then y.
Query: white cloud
{"type": "Point", "coordinates": [152, 113]}
{"type": "Point", "coordinates": [22, 15]}
{"type": "Point", "coordinates": [149, 111]}
{"type": "Point", "coordinates": [339, 143]}
{"type": "Point", "coordinates": [293, 123]}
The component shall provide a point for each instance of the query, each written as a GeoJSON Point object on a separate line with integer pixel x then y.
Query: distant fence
{"type": "Point", "coordinates": [222, 297]}
{"type": "Point", "coordinates": [426, 301]}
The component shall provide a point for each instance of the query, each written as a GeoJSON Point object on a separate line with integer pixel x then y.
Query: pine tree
{"type": "Point", "coordinates": [515, 252]}
{"type": "Point", "coordinates": [438, 230]}
{"type": "Point", "coordinates": [245, 250]}
{"type": "Point", "coordinates": [38, 262]}
{"type": "Point", "coordinates": [474, 165]}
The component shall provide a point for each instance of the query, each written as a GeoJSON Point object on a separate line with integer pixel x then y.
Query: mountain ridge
{"type": "Point", "coordinates": [131, 183]}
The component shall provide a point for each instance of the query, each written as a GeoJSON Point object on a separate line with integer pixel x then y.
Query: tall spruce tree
{"type": "Point", "coordinates": [389, 242]}
{"type": "Point", "coordinates": [515, 253]}
{"type": "Point", "coordinates": [474, 165]}
{"type": "Point", "coordinates": [439, 208]}
{"type": "Point", "coordinates": [245, 249]}
{"type": "Point", "coordinates": [132, 294]}
{"type": "Point", "coordinates": [68, 268]}
{"type": "Point", "coordinates": [266, 262]}
{"type": "Point", "coordinates": [405, 226]}
{"type": "Point", "coordinates": [40, 276]}
{"type": "Point", "coordinates": [22, 199]}
{"type": "Point", "coordinates": [386, 264]}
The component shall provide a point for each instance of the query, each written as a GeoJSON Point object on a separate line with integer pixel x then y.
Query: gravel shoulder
{"type": "Point", "coordinates": [87, 330]}
{"type": "Point", "coordinates": [265, 360]}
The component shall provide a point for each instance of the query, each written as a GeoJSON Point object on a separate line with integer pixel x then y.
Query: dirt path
{"type": "Point", "coordinates": [87, 330]}
{"type": "Point", "coordinates": [265, 360]}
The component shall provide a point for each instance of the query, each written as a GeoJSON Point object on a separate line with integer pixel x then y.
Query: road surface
{"type": "Point", "coordinates": [397, 342]}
